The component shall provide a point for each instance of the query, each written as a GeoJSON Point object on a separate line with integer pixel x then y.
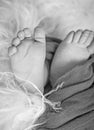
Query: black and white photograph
{"type": "Point", "coordinates": [46, 64]}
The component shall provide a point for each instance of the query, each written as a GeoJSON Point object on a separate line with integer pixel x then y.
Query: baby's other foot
{"type": "Point", "coordinates": [51, 47]}
{"type": "Point", "coordinates": [27, 55]}
{"type": "Point", "coordinates": [74, 49]}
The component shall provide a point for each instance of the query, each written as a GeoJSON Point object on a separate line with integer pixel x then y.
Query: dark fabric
{"type": "Point", "coordinates": [77, 100]}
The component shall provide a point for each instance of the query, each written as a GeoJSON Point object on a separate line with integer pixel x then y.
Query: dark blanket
{"type": "Point", "coordinates": [77, 101]}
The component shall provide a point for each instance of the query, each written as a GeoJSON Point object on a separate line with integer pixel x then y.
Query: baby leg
{"type": "Point", "coordinates": [27, 55]}
{"type": "Point", "coordinates": [74, 49]}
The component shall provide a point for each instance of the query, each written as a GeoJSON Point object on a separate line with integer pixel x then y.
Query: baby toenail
{"type": "Point", "coordinates": [21, 35]}
{"type": "Point", "coordinates": [27, 32]}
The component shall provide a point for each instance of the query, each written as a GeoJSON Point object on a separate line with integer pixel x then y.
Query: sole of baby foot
{"type": "Point", "coordinates": [28, 62]}
{"type": "Point", "coordinates": [75, 49]}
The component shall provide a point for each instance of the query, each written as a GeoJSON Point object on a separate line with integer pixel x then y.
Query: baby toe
{"type": "Point", "coordinates": [12, 50]}
{"type": "Point", "coordinates": [84, 37]}
{"type": "Point", "coordinates": [16, 41]}
{"type": "Point", "coordinates": [89, 39]}
{"type": "Point", "coordinates": [27, 32]}
{"type": "Point", "coordinates": [91, 48]}
{"type": "Point", "coordinates": [77, 36]}
{"type": "Point", "coordinates": [69, 37]}
{"type": "Point", "coordinates": [21, 35]}
{"type": "Point", "coordinates": [49, 56]}
{"type": "Point", "coordinates": [51, 46]}
{"type": "Point", "coordinates": [39, 35]}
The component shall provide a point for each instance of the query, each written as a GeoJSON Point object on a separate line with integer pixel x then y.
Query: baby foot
{"type": "Point", "coordinates": [76, 48]}
{"type": "Point", "coordinates": [27, 55]}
